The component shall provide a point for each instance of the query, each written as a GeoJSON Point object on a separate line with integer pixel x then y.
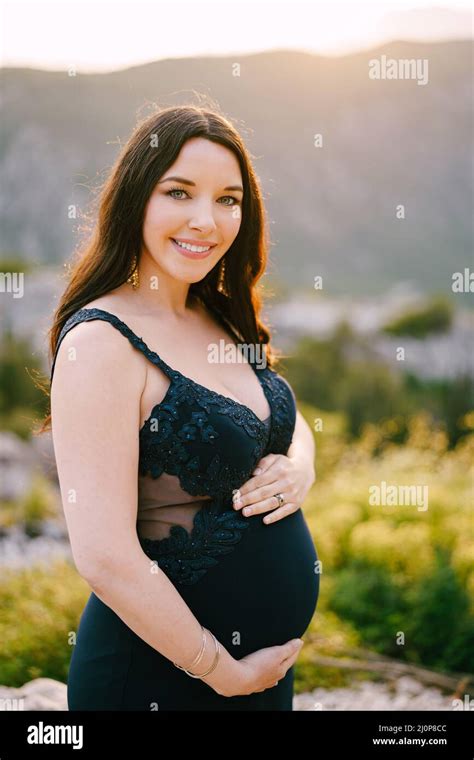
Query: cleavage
{"type": "Point", "coordinates": [157, 384]}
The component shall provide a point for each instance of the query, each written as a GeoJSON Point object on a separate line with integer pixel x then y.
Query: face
{"type": "Point", "coordinates": [204, 212]}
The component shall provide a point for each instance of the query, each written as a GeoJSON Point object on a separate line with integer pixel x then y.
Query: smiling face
{"type": "Point", "coordinates": [203, 212]}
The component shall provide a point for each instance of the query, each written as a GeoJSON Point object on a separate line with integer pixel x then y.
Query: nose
{"type": "Point", "coordinates": [203, 219]}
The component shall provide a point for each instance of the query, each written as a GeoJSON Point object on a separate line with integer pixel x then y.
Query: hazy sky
{"type": "Point", "coordinates": [103, 35]}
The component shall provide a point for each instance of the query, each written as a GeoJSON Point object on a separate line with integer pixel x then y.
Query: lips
{"type": "Point", "coordinates": [190, 241]}
{"type": "Point", "coordinates": [191, 254]}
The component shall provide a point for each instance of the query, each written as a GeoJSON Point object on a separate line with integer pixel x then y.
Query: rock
{"type": "Point", "coordinates": [16, 466]}
{"type": "Point", "coordinates": [18, 550]}
{"type": "Point", "coordinates": [407, 694]}
{"type": "Point", "coordinates": [39, 694]}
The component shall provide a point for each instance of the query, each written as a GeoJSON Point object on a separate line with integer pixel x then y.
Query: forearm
{"type": "Point", "coordinates": [142, 595]}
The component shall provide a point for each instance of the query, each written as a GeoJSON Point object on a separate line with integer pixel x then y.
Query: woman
{"type": "Point", "coordinates": [194, 605]}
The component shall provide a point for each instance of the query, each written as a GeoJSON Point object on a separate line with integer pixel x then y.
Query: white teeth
{"type": "Point", "coordinates": [194, 248]}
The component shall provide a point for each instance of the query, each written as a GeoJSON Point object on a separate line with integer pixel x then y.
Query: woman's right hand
{"type": "Point", "coordinates": [262, 669]}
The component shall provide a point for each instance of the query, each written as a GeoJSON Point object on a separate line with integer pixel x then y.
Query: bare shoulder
{"type": "Point", "coordinates": [94, 350]}
{"type": "Point", "coordinates": [98, 338]}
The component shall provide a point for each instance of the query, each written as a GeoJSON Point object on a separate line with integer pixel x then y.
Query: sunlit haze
{"type": "Point", "coordinates": [111, 34]}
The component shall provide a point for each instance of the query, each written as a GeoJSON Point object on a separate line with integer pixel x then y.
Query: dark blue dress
{"type": "Point", "coordinates": [253, 585]}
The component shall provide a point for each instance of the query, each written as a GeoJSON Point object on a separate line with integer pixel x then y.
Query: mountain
{"type": "Point", "coordinates": [331, 209]}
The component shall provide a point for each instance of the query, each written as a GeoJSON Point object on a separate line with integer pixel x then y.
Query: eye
{"type": "Point", "coordinates": [234, 201]}
{"type": "Point", "coordinates": [175, 190]}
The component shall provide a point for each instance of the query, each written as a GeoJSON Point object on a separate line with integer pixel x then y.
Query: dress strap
{"type": "Point", "coordinates": [86, 315]}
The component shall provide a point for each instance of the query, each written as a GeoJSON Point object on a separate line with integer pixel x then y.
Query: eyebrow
{"type": "Point", "coordinates": [193, 184]}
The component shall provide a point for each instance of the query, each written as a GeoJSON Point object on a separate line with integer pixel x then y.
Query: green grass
{"type": "Point", "coordinates": [41, 607]}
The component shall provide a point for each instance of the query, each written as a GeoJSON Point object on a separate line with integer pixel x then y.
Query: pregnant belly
{"type": "Point", "coordinates": [265, 591]}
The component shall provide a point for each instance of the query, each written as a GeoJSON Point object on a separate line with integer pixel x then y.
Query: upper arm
{"type": "Point", "coordinates": [301, 422]}
{"type": "Point", "coordinates": [95, 415]}
{"type": "Point", "coordinates": [309, 432]}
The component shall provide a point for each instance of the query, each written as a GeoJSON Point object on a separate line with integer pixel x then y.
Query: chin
{"type": "Point", "coordinates": [188, 278]}
{"type": "Point", "coordinates": [194, 272]}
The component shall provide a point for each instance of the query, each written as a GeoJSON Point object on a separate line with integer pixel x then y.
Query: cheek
{"type": "Point", "coordinates": [161, 216]}
{"type": "Point", "coordinates": [230, 224]}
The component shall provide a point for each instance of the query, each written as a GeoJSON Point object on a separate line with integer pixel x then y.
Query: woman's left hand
{"type": "Point", "coordinates": [290, 476]}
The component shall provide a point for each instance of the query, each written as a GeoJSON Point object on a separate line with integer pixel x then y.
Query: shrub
{"type": "Point", "coordinates": [40, 606]}
{"type": "Point", "coordinates": [435, 316]}
{"type": "Point", "coordinates": [367, 597]}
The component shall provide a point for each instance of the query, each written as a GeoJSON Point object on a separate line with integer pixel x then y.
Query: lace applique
{"type": "Point", "coordinates": [164, 450]}
{"type": "Point", "coordinates": [186, 557]}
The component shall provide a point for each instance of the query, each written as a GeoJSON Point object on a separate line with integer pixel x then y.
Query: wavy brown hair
{"type": "Point", "coordinates": [106, 260]}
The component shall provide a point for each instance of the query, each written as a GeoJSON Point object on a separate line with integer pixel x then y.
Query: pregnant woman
{"type": "Point", "coordinates": [169, 424]}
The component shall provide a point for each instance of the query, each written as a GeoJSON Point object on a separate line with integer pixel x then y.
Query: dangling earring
{"type": "Point", "coordinates": [133, 279]}
{"type": "Point", "coordinates": [220, 283]}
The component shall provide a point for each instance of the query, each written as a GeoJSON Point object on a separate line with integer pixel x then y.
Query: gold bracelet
{"type": "Point", "coordinates": [214, 664]}
{"type": "Point", "coordinates": [199, 656]}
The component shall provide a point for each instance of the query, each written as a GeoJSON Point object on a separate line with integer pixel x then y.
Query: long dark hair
{"type": "Point", "coordinates": [107, 259]}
